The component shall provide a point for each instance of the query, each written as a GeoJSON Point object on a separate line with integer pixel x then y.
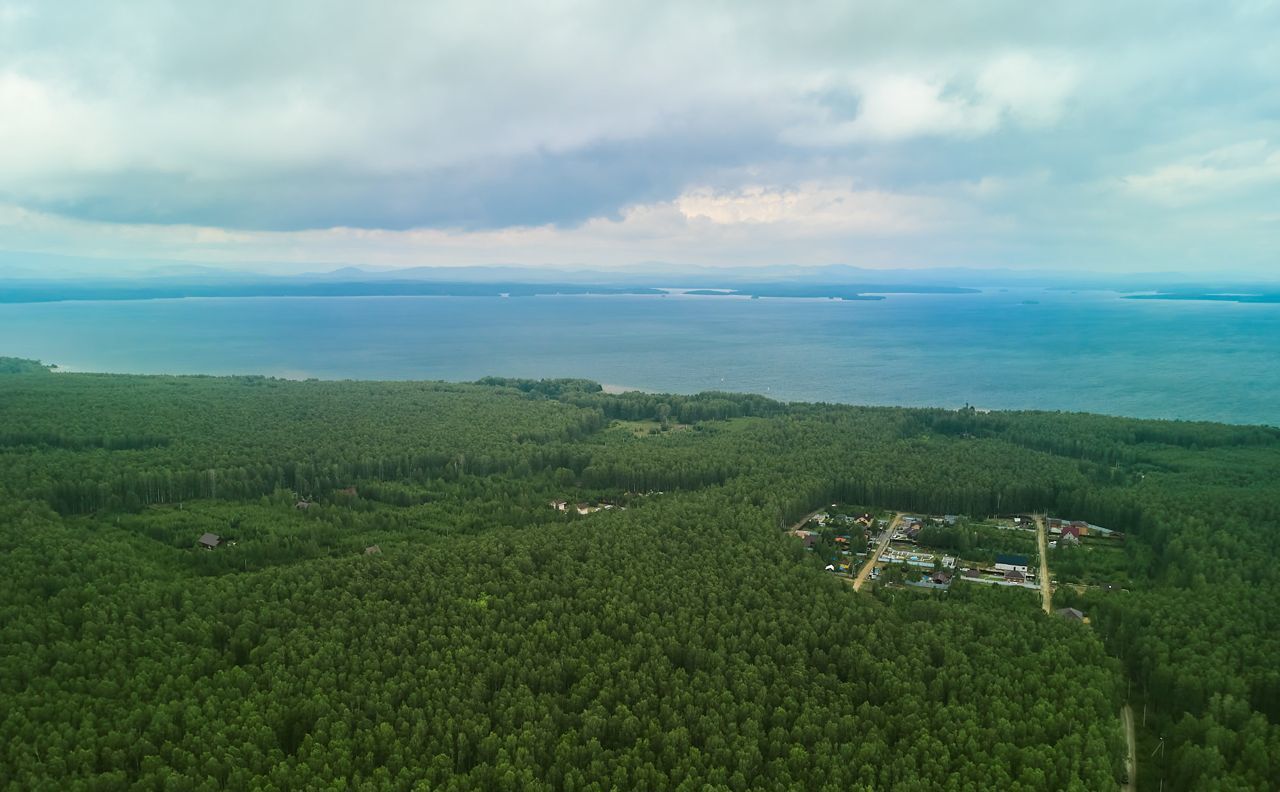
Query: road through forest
{"type": "Point", "coordinates": [871, 562]}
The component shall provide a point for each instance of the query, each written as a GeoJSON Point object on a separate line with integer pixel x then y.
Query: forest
{"type": "Point", "coordinates": [393, 602]}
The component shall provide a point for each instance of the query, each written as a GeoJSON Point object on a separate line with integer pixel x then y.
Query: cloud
{"type": "Point", "coordinates": [1211, 176]}
{"type": "Point", "coordinates": [816, 208]}
{"type": "Point", "coordinates": [850, 129]}
{"type": "Point", "coordinates": [1017, 87]}
{"type": "Point", "coordinates": [811, 223]}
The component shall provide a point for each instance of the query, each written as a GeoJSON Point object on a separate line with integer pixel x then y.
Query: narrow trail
{"type": "Point", "coordinates": [871, 562]}
{"type": "Point", "coordinates": [1046, 591]}
{"type": "Point", "coordinates": [1131, 760]}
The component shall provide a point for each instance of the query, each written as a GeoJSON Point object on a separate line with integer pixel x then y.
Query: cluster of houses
{"type": "Point", "coordinates": [1013, 567]}
{"type": "Point", "coordinates": [823, 519]}
{"type": "Point", "coordinates": [212, 541]}
{"type": "Point", "coordinates": [1068, 532]}
{"type": "Point", "coordinates": [940, 579]}
{"type": "Point", "coordinates": [894, 556]}
{"type": "Point", "coordinates": [581, 508]}
{"type": "Point", "coordinates": [842, 541]}
{"type": "Point", "coordinates": [909, 530]}
{"type": "Point", "coordinates": [810, 538]}
{"type": "Point", "coordinates": [1009, 570]}
{"type": "Point", "coordinates": [910, 527]}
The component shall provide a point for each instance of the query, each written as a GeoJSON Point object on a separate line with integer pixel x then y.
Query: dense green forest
{"type": "Point", "coordinates": [396, 605]}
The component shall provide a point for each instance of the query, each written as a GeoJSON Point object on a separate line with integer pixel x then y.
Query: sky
{"type": "Point", "coordinates": [1082, 137]}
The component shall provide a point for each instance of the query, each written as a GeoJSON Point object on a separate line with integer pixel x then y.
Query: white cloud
{"type": "Point", "coordinates": [1221, 172]}
{"type": "Point", "coordinates": [816, 208]}
{"type": "Point", "coordinates": [1032, 90]}
{"type": "Point", "coordinates": [1029, 90]}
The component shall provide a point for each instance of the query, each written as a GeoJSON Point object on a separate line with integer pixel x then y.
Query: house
{"type": "Point", "coordinates": [1006, 562]}
{"type": "Point", "coordinates": [941, 578]}
{"type": "Point", "coordinates": [1071, 614]}
{"type": "Point", "coordinates": [949, 561]}
{"type": "Point", "coordinates": [1073, 530]}
{"type": "Point", "coordinates": [1068, 540]}
{"type": "Point", "coordinates": [373, 550]}
{"type": "Point", "coordinates": [209, 541]}
{"type": "Point", "coordinates": [560, 505]}
{"type": "Point", "coordinates": [302, 505]}
{"type": "Point", "coordinates": [970, 572]}
{"type": "Point", "coordinates": [1014, 576]}
{"type": "Point", "coordinates": [810, 538]}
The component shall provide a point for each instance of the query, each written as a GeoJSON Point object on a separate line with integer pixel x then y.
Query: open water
{"type": "Point", "coordinates": [1017, 349]}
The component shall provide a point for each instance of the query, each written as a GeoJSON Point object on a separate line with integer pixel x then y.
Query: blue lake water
{"type": "Point", "coordinates": [1090, 351]}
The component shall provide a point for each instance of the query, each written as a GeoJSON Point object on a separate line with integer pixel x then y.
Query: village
{"type": "Point", "coordinates": [931, 552]}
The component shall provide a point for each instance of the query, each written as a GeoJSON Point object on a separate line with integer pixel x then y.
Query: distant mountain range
{"type": "Point", "coordinates": [41, 277]}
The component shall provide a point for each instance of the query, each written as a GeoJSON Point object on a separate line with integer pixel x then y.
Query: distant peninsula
{"type": "Point", "coordinates": [30, 292]}
{"type": "Point", "coordinates": [1273, 297]}
{"type": "Point", "coordinates": [33, 291]}
{"type": "Point", "coordinates": [861, 291]}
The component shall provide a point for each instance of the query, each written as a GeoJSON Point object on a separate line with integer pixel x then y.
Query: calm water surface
{"type": "Point", "coordinates": [1088, 351]}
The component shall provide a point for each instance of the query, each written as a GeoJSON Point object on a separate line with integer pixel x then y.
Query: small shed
{"type": "Point", "coordinates": [209, 541]}
{"type": "Point", "coordinates": [373, 550]}
{"type": "Point", "coordinates": [302, 505]}
{"type": "Point", "coordinates": [1071, 614]}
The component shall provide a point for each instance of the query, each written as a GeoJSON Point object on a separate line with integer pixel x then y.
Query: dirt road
{"type": "Point", "coordinates": [875, 556]}
{"type": "Point", "coordinates": [1046, 590]}
{"type": "Point", "coordinates": [1131, 760]}
{"type": "Point", "coordinates": [806, 519]}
